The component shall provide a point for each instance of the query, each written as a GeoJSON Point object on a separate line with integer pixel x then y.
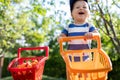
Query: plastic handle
{"type": "Point", "coordinates": [46, 48]}
{"type": "Point", "coordinates": [66, 39]}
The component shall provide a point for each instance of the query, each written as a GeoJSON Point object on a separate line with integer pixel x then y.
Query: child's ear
{"type": "Point", "coordinates": [72, 15]}
{"type": "Point", "coordinates": [89, 14]}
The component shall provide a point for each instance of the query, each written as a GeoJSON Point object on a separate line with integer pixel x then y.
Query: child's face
{"type": "Point", "coordinates": [80, 11]}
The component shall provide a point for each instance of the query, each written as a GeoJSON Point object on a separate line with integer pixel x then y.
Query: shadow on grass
{"type": "Point", "coordinates": [44, 78]}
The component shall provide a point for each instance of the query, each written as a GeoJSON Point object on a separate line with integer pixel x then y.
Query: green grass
{"type": "Point", "coordinates": [44, 78]}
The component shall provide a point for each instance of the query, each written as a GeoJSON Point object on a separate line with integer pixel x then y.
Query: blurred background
{"type": "Point", "coordinates": [31, 23]}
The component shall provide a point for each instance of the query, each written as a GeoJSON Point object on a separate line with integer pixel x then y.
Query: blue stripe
{"type": "Point", "coordinates": [91, 29]}
{"type": "Point", "coordinates": [78, 46]}
{"type": "Point", "coordinates": [73, 25]}
{"type": "Point", "coordinates": [65, 32]}
{"type": "Point", "coordinates": [77, 34]}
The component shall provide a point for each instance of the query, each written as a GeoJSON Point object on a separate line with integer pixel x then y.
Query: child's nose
{"type": "Point", "coordinates": [81, 8]}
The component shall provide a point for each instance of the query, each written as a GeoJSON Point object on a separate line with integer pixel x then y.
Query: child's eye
{"type": "Point", "coordinates": [84, 7]}
{"type": "Point", "coordinates": [77, 7]}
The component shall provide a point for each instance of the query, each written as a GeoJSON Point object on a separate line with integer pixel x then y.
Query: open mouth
{"type": "Point", "coordinates": [81, 13]}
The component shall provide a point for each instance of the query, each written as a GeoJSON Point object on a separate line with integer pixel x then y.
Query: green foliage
{"type": "Point", "coordinates": [17, 1]}
{"type": "Point", "coordinates": [108, 22]}
{"type": "Point", "coordinates": [55, 65]}
{"type": "Point", "coordinates": [5, 2]}
{"type": "Point", "coordinates": [38, 9]}
{"type": "Point", "coordinates": [115, 73]}
{"type": "Point", "coordinates": [22, 28]}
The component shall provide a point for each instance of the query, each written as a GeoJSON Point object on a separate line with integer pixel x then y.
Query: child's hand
{"type": "Point", "coordinates": [89, 35]}
{"type": "Point", "coordinates": [58, 39]}
{"type": "Point", "coordinates": [61, 35]}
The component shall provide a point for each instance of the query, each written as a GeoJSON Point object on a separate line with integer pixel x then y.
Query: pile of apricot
{"type": "Point", "coordinates": [28, 64]}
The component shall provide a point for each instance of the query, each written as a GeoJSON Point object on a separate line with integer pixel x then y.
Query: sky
{"type": "Point", "coordinates": [65, 7]}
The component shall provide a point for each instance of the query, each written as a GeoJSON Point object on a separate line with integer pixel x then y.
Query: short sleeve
{"type": "Point", "coordinates": [92, 28]}
{"type": "Point", "coordinates": [65, 31]}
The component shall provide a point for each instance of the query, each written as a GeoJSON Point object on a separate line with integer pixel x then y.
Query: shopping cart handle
{"type": "Point", "coordinates": [46, 48]}
{"type": "Point", "coordinates": [67, 39]}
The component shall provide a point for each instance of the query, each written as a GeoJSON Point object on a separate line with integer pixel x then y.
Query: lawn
{"type": "Point", "coordinates": [44, 78]}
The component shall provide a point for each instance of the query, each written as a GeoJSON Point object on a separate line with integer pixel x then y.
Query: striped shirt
{"type": "Point", "coordinates": [79, 30]}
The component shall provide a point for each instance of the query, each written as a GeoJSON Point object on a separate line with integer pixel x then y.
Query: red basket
{"type": "Point", "coordinates": [32, 73]}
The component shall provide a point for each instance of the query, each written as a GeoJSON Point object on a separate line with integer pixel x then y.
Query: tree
{"type": "Point", "coordinates": [22, 25]}
{"type": "Point", "coordinates": [107, 21]}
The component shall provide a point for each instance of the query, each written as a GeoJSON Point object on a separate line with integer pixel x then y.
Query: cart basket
{"type": "Point", "coordinates": [95, 67]}
{"type": "Point", "coordinates": [33, 72]}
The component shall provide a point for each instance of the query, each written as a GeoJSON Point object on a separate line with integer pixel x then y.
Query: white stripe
{"type": "Point", "coordinates": [79, 29]}
{"type": "Point", "coordinates": [80, 41]}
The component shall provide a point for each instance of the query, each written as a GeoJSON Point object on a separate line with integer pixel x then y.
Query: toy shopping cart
{"type": "Point", "coordinates": [33, 72]}
{"type": "Point", "coordinates": [95, 68]}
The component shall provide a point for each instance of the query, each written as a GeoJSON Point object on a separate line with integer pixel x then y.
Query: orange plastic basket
{"type": "Point", "coordinates": [32, 73]}
{"type": "Point", "coordinates": [95, 68]}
